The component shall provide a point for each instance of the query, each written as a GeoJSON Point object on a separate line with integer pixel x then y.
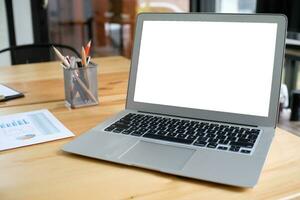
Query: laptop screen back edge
{"type": "Point", "coordinates": [149, 101]}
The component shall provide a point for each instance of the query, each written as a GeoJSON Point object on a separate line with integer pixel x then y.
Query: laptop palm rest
{"type": "Point", "coordinates": [158, 156]}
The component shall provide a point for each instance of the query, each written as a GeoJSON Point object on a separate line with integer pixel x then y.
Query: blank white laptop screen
{"type": "Point", "coordinates": [215, 66]}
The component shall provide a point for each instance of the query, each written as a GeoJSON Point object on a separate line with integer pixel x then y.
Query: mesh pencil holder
{"type": "Point", "coordinates": [81, 86]}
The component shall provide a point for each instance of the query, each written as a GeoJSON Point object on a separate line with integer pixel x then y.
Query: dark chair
{"type": "Point", "coordinates": [32, 53]}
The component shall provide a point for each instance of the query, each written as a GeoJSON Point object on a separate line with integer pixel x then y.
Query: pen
{"type": "Point", "coordinates": [61, 57]}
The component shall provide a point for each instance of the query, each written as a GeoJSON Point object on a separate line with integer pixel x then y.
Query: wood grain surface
{"type": "Point", "coordinates": [44, 172]}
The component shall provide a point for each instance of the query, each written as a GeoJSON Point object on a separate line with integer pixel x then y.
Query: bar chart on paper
{"type": "Point", "coordinates": [30, 128]}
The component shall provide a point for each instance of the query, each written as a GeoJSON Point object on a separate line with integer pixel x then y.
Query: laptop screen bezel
{"type": "Point", "coordinates": [200, 114]}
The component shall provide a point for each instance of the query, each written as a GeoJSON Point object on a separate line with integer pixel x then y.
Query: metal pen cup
{"type": "Point", "coordinates": [81, 85]}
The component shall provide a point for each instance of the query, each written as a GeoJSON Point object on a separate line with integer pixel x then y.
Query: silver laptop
{"type": "Point", "coordinates": [202, 98]}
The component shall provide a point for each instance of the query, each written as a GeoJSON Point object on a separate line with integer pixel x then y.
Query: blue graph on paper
{"type": "Point", "coordinates": [14, 123]}
{"type": "Point", "coordinates": [29, 128]}
{"type": "Point", "coordinates": [28, 125]}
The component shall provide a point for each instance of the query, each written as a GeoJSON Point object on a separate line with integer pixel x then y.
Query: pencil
{"type": "Point", "coordinates": [88, 60]}
{"type": "Point", "coordinates": [83, 57]}
{"type": "Point", "coordinates": [85, 88]}
{"type": "Point", "coordinates": [88, 48]}
{"type": "Point", "coordinates": [61, 57]}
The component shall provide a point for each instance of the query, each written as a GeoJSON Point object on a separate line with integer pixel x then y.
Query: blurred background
{"type": "Point", "coordinates": [108, 23]}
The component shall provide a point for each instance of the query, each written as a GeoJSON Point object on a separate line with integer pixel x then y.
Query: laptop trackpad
{"type": "Point", "coordinates": [158, 156]}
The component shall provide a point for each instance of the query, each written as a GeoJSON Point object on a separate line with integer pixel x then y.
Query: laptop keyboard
{"type": "Point", "coordinates": [201, 134]}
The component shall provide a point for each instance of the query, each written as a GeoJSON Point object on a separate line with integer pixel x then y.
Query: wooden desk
{"type": "Point", "coordinates": [44, 172]}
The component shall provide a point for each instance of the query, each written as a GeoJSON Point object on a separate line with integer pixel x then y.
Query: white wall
{"type": "Point", "coordinates": [4, 39]}
{"type": "Point", "coordinates": [22, 21]}
{"type": "Point", "coordinates": [22, 25]}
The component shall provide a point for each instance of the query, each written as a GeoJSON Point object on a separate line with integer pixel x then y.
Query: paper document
{"type": "Point", "coordinates": [29, 128]}
{"type": "Point", "coordinates": [6, 91]}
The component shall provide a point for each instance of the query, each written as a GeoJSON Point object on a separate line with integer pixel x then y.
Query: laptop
{"type": "Point", "coordinates": [202, 98]}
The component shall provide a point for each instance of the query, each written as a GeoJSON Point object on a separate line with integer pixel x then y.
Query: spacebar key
{"type": "Point", "coordinates": [171, 139]}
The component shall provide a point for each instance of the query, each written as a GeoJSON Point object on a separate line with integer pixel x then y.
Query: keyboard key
{"type": "Point", "coordinates": [253, 137]}
{"type": "Point", "coordinates": [212, 140]}
{"type": "Point", "coordinates": [181, 136]}
{"type": "Point", "coordinates": [190, 132]}
{"type": "Point", "coordinates": [250, 141]}
{"type": "Point", "coordinates": [222, 148]}
{"type": "Point", "coordinates": [162, 133]}
{"type": "Point", "coordinates": [243, 140]}
{"type": "Point", "coordinates": [221, 137]}
{"type": "Point", "coordinates": [245, 151]}
{"type": "Point", "coordinates": [170, 139]}
{"type": "Point", "coordinates": [180, 131]}
{"type": "Point", "coordinates": [234, 148]}
{"type": "Point", "coordinates": [152, 131]}
{"type": "Point", "coordinates": [144, 125]}
{"type": "Point", "coordinates": [231, 138]}
{"type": "Point", "coordinates": [171, 134]}
{"type": "Point", "coordinates": [255, 131]}
{"type": "Point", "coordinates": [126, 132]}
{"type": "Point", "coordinates": [191, 137]}
{"type": "Point", "coordinates": [240, 144]}
{"type": "Point", "coordinates": [200, 143]}
{"type": "Point", "coordinates": [210, 135]}
{"type": "Point", "coordinates": [117, 130]}
{"type": "Point", "coordinates": [211, 131]}
{"type": "Point", "coordinates": [137, 133]}
{"type": "Point", "coordinates": [142, 130]}
{"type": "Point", "coordinates": [223, 142]}
{"type": "Point", "coordinates": [110, 128]}
{"type": "Point", "coordinates": [121, 125]}
{"type": "Point", "coordinates": [212, 145]}
{"type": "Point", "coordinates": [203, 139]}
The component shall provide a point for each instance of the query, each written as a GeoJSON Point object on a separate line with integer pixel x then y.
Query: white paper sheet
{"type": "Point", "coordinates": [6, 91]}
{"type": "Point", "coordinates": [29, 128]}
